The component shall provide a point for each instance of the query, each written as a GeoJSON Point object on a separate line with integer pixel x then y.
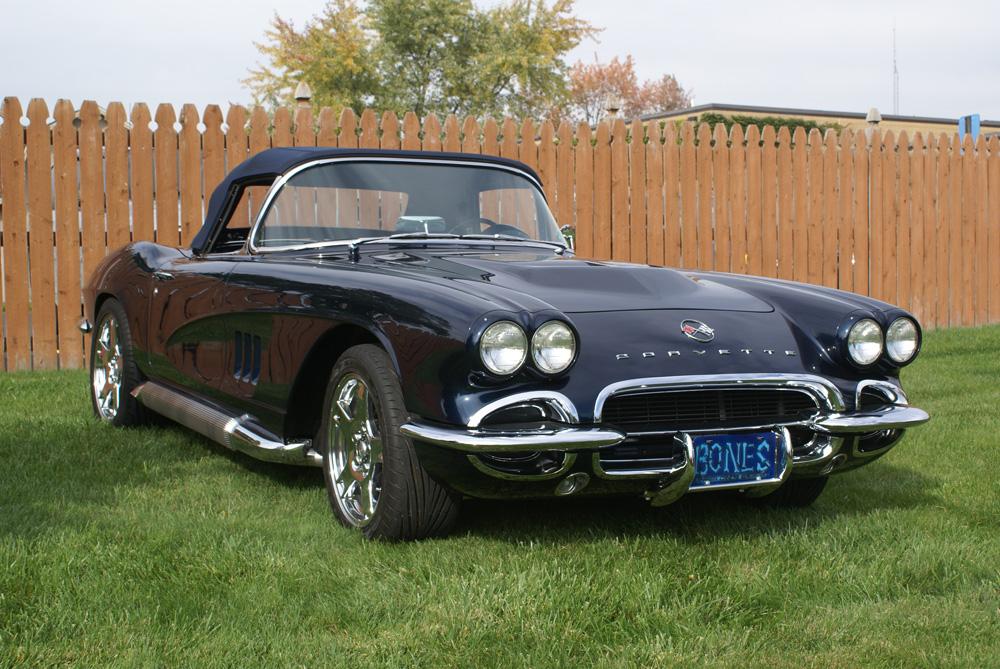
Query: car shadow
{"type": "Point", "coordinates": [700, 517]}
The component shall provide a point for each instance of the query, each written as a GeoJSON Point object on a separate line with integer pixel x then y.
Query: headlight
{"type": "Point", "coordinates": [553, 347]}
{"type": "Point", "coordinates": [503, 347]}
{"type": "Point", "coordinates": [901, 340]}
{"type": "Point", "coordinates": [864, 342]}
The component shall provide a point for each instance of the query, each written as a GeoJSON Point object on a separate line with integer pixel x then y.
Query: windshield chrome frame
{"type": "Point", "coordinates": [284, 178]}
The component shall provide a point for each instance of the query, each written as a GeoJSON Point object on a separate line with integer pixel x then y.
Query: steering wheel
{"type": "Point", "coordinates": [503, 229]}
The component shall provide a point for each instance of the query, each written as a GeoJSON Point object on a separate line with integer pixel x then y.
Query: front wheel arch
{"type": "Point", "coordinates": [305, 400]}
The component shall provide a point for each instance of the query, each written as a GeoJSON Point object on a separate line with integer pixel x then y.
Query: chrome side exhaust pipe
{"type": "Point", "coordinates": [237, 433]}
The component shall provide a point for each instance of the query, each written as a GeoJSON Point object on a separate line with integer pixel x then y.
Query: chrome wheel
{"type": "Point", "coordinates": [108, 368]}
{"type": "Point", "coordinates": [354, 460]}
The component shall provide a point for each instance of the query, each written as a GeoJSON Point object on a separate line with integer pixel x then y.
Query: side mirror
{"type": "Point", "coordinates": [569, 234]}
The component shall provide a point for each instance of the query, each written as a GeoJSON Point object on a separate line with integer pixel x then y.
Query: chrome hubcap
{"type": "Point", "coordinates": [106, 375]}
{"type": "Point", "coordinates": [355, 442]}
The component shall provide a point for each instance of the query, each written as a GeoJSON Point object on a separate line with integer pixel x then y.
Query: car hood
{"type": "Point", "coordinates": [575, 286]}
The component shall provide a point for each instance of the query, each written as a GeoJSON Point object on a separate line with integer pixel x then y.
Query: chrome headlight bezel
{"type": "Point", "coordinates": [895, 336]}
{"type": "Point", "coordinates": [864, 332]}
{"type": "Point", "coordinates": [499, 335]}
{"type": "Point", "coordinates": [553, 329]}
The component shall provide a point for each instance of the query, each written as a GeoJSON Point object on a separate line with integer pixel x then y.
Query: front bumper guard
{"type": "Point", "coordinates": [577, 438]}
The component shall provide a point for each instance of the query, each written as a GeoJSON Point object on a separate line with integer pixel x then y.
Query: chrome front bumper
{"type": "Point", "coordinates": [576, 438]}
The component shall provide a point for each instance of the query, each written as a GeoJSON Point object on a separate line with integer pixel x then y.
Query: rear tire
{"type": "Point", "coordinates": [373, 478]}
{"type": "Point", "coordinates": [113, 370]}
{"type": "Point", "coordinates": [795, 493]}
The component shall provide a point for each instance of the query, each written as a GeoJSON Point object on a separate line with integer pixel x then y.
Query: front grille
{"type": "Point", "coordinates": [677, 410]}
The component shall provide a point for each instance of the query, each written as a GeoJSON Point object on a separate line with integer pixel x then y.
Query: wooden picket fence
{"type": "Point", "coordinates": [911, 220]}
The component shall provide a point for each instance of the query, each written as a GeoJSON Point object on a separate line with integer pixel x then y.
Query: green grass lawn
{"type": "Point", "coordinates": [154, 547]}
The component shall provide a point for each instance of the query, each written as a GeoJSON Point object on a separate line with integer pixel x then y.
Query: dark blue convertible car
{"type": "Point", "coordinates": [416, 324]}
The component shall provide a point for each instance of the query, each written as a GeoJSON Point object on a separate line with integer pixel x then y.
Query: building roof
{"type": "Point", "coordinates": [791, 111]}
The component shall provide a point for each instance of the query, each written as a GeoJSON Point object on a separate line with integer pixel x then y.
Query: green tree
{"type": "Point", "coordinates": [441, 56]}
{"type": "Point", "coordinates": [333, 53]}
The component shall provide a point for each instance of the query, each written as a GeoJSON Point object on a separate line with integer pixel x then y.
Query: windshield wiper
{"type": "Point", "coordinates": [353, 248]}
{"type": "Point", "coordinates": [514, 238]}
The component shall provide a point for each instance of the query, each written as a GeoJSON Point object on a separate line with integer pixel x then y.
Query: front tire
{"type": "Point", "coordinates": [113, 370]}
{"type": "Point", "coordinates": [373, 478]}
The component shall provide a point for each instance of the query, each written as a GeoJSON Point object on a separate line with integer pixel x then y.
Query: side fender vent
{"type": "Point", "coordinates": [246, 357]}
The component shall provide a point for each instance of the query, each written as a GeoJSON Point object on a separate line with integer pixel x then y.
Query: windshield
{"type": "Point", "coordinates": [349, 200]}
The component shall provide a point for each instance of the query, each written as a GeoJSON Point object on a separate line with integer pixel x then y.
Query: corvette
{"type": "Point", "coordinates": [416, 325]}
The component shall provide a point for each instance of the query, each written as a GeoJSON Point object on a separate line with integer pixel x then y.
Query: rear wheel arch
{"type": "Point", "coordinates": [305, 401]}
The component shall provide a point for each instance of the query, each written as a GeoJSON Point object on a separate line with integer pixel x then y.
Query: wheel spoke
{"type": "Point", "coordinates": [375, 448]}
{"type": "Point", "coordinates": [367, 501]}
{"type": "Point", "coordinates": [361, 405]}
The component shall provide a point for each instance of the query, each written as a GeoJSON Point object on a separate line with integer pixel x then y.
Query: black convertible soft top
{"type": "Point", "coordinates": [269, 164]}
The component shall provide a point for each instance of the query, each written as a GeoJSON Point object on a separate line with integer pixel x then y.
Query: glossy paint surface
{"type": "Point", "coordinates": [195, 318]}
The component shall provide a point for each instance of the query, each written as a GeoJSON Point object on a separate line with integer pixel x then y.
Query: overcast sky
{"type": "Point", "coordinates": [813, 55]}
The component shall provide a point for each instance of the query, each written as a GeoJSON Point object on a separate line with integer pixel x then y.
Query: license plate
{"type": "Point", "coordinates": [728, 459]}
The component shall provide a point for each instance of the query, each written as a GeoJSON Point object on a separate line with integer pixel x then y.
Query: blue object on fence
{"type": "Point", "coordinates": [968, 125]}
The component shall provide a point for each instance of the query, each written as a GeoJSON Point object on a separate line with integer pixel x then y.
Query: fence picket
{"type": "Point", "coordinates": [916, 284]}
{"type": "Point", "coordinates": [15, 237]}
{"type": "Point", "coordinates": [432, 133]}
{"type": "Point", "coordinates": [814, 230]}
{"type": "Point", "coordinates": [41, 259]}
{"type": "Point", "coordinates": [705, 195]}
{"type": "Point", "coordinates": [902, 294]}
{"type": "Point", "coordinates": [721, 220]}
{"type": "Point", "coordinates": [471, 139]}
{"type": "Point", "coordinates": [140, 143]}
{"type": "Point", "coordinates": [956, 257]}
{"type": "Point", "coordinates": [831, 210]}
{"type": "Point", "coordinates": [583, 171]}
{"type": "Point", "coordinates": [928, 269]}
{"type": "Point", "coordinates": [994, 230]}
{"type": "Point", "coordinates": [637, 193]}
{"type": "Point", "coordinates": [91, 187]}
{"type": "Point", "coordinates": [116, 183]}
{"type": "Point", "coordinates": [800, 192]}
{"type": "Point", "coordinates": [563, 177]}
{"type": "Point", "coordinates": [214, 141]}
{"type": "Point", "coordinates": [845, 209]}
{"type": "Point", "coordinates": [305, 133]}
{"type": "Point", "coordinates": [671, 197]}
{"type": "Point", "coordinates": [68, 256]}
{"type": "Point", "coordinates": [739, 206]}
{"type": "Point", "coordinates": [452, 135]}
{"type": "Point", "coordinates": [653, 189]}
{"type": "Point", "coordinates": [769, 203]}
{"type": "Point", "coordinates": [411, 132]}
{"type": "Point", "coordinates": [602, 192]}
{"type": "Point", "coordinates": [982, 245]}
{"type": "Point", "coordinates": [786, 206]}
{"type": "Point", "coordinates": [190, 174]}
{"type": "Point", "coordinates": [689, 197]}
{"type": "Point", "coordinates": [752, 215]}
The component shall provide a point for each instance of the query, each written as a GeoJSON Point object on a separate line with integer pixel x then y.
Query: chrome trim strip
{"type": "Point", "coordinates": [479, 441]}
{"type": "Point", "coordinates": [284, 178]}
{"type": "Point", "coordinates": [555, 400]}
{"type": "Point", "coordinates": [894, 417]}
{"type": "Point", "coordinates": [823, 390]}
{"type": "Point", "coordinates": [233, 432]}
{"type": "Point", "coordinates": [568, 460]}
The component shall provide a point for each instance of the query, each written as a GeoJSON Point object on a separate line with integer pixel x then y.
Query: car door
{"type": "Point", "coordinates": [187, 340]}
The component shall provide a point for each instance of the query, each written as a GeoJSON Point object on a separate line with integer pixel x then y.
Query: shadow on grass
{"type": "Point", "coordinates": [77, 485]}
{"type": "Point", "coordinates": [695, 518]}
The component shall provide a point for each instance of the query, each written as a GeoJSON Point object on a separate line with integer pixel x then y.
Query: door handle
{"type": "Point", "coordinates": [162, 276]}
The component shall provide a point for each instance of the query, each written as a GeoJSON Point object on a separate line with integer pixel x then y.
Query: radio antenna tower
{"type": "Point", "coordinates": [895, 75]}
